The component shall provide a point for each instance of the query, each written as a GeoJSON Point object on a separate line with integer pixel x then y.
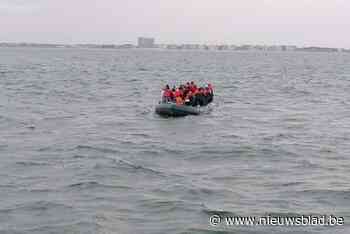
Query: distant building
{"type": "Point", "coordinates": [105, 46]}
{"type": "Point", "coordinates": [289, 48]}
{"type": "Point", "coordinates": [126, 46]}
{"type": "Point", "coordinates": [173, 47]}
{"type": "Point", "coordinates": [245, 47]}
{"type": "Point", "coordinates": [161, 46]}
{"type": "Point", "coordinates": [144, 42]}
{"type": "Point", "coordinates": [274, 48]}
{"type": "Point", "coordinates": [190, 46]}
{"type": "Point", "coordinates": [212, 47]}
{"type": "Point", "coordinates": [222, 47]}
{"type": "Point", "coordinates": [318, 49]}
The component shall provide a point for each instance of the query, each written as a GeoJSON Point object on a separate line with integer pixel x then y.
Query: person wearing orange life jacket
{"type": "Point", "coordinates": [193, 87]}
{"type": "Point", "coordinates": [173, 93]}
{"type": "Point", "coordinates": [166, 94]}
{"type": "Point", "coordinates": [177, 92]}
{"type": "Point", "coordinates": [178, 98]}
{"type": "Point", "coordinates": [182, 91]}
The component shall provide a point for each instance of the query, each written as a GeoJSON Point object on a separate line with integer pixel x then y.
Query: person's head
{"type": "Point", "coordinates": [173, 89]}
{"type": "Point", "coordinates": [167, 87]}
{"type": "Point", "coordinates": [192, 83]}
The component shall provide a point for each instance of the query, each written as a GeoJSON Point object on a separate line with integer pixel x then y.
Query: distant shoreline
{"type": "Point", "coordinates": [192, 47]}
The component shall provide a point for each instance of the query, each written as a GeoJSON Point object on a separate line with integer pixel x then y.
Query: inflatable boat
{"type": "Point", "coordinates": [173, 110]}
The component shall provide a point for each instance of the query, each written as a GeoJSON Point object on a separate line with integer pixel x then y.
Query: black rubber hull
{"type": "Point", "coordinates": [173, 110]}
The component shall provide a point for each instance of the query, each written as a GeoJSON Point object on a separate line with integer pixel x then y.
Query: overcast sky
{"type": "Point", "coordinates": [296, 22]}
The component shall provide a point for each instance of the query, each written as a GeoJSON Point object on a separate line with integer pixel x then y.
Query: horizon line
{"type": "Point", "coordinates": [178, 44]}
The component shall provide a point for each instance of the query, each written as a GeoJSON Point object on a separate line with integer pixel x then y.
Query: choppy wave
{"type": "Point", "coordinates": [83, 152]}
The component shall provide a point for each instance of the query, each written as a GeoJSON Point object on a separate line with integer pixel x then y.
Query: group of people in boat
{"type": "Point", "coordinates": [188, 94]}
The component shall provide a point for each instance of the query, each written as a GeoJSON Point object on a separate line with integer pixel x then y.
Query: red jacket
{"type": "Point", "coordinates": [167, 93]}
{"type": "Point", "coordinates": [177, 93]}
{"type": "Point", "coordinates": [193, 89]}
